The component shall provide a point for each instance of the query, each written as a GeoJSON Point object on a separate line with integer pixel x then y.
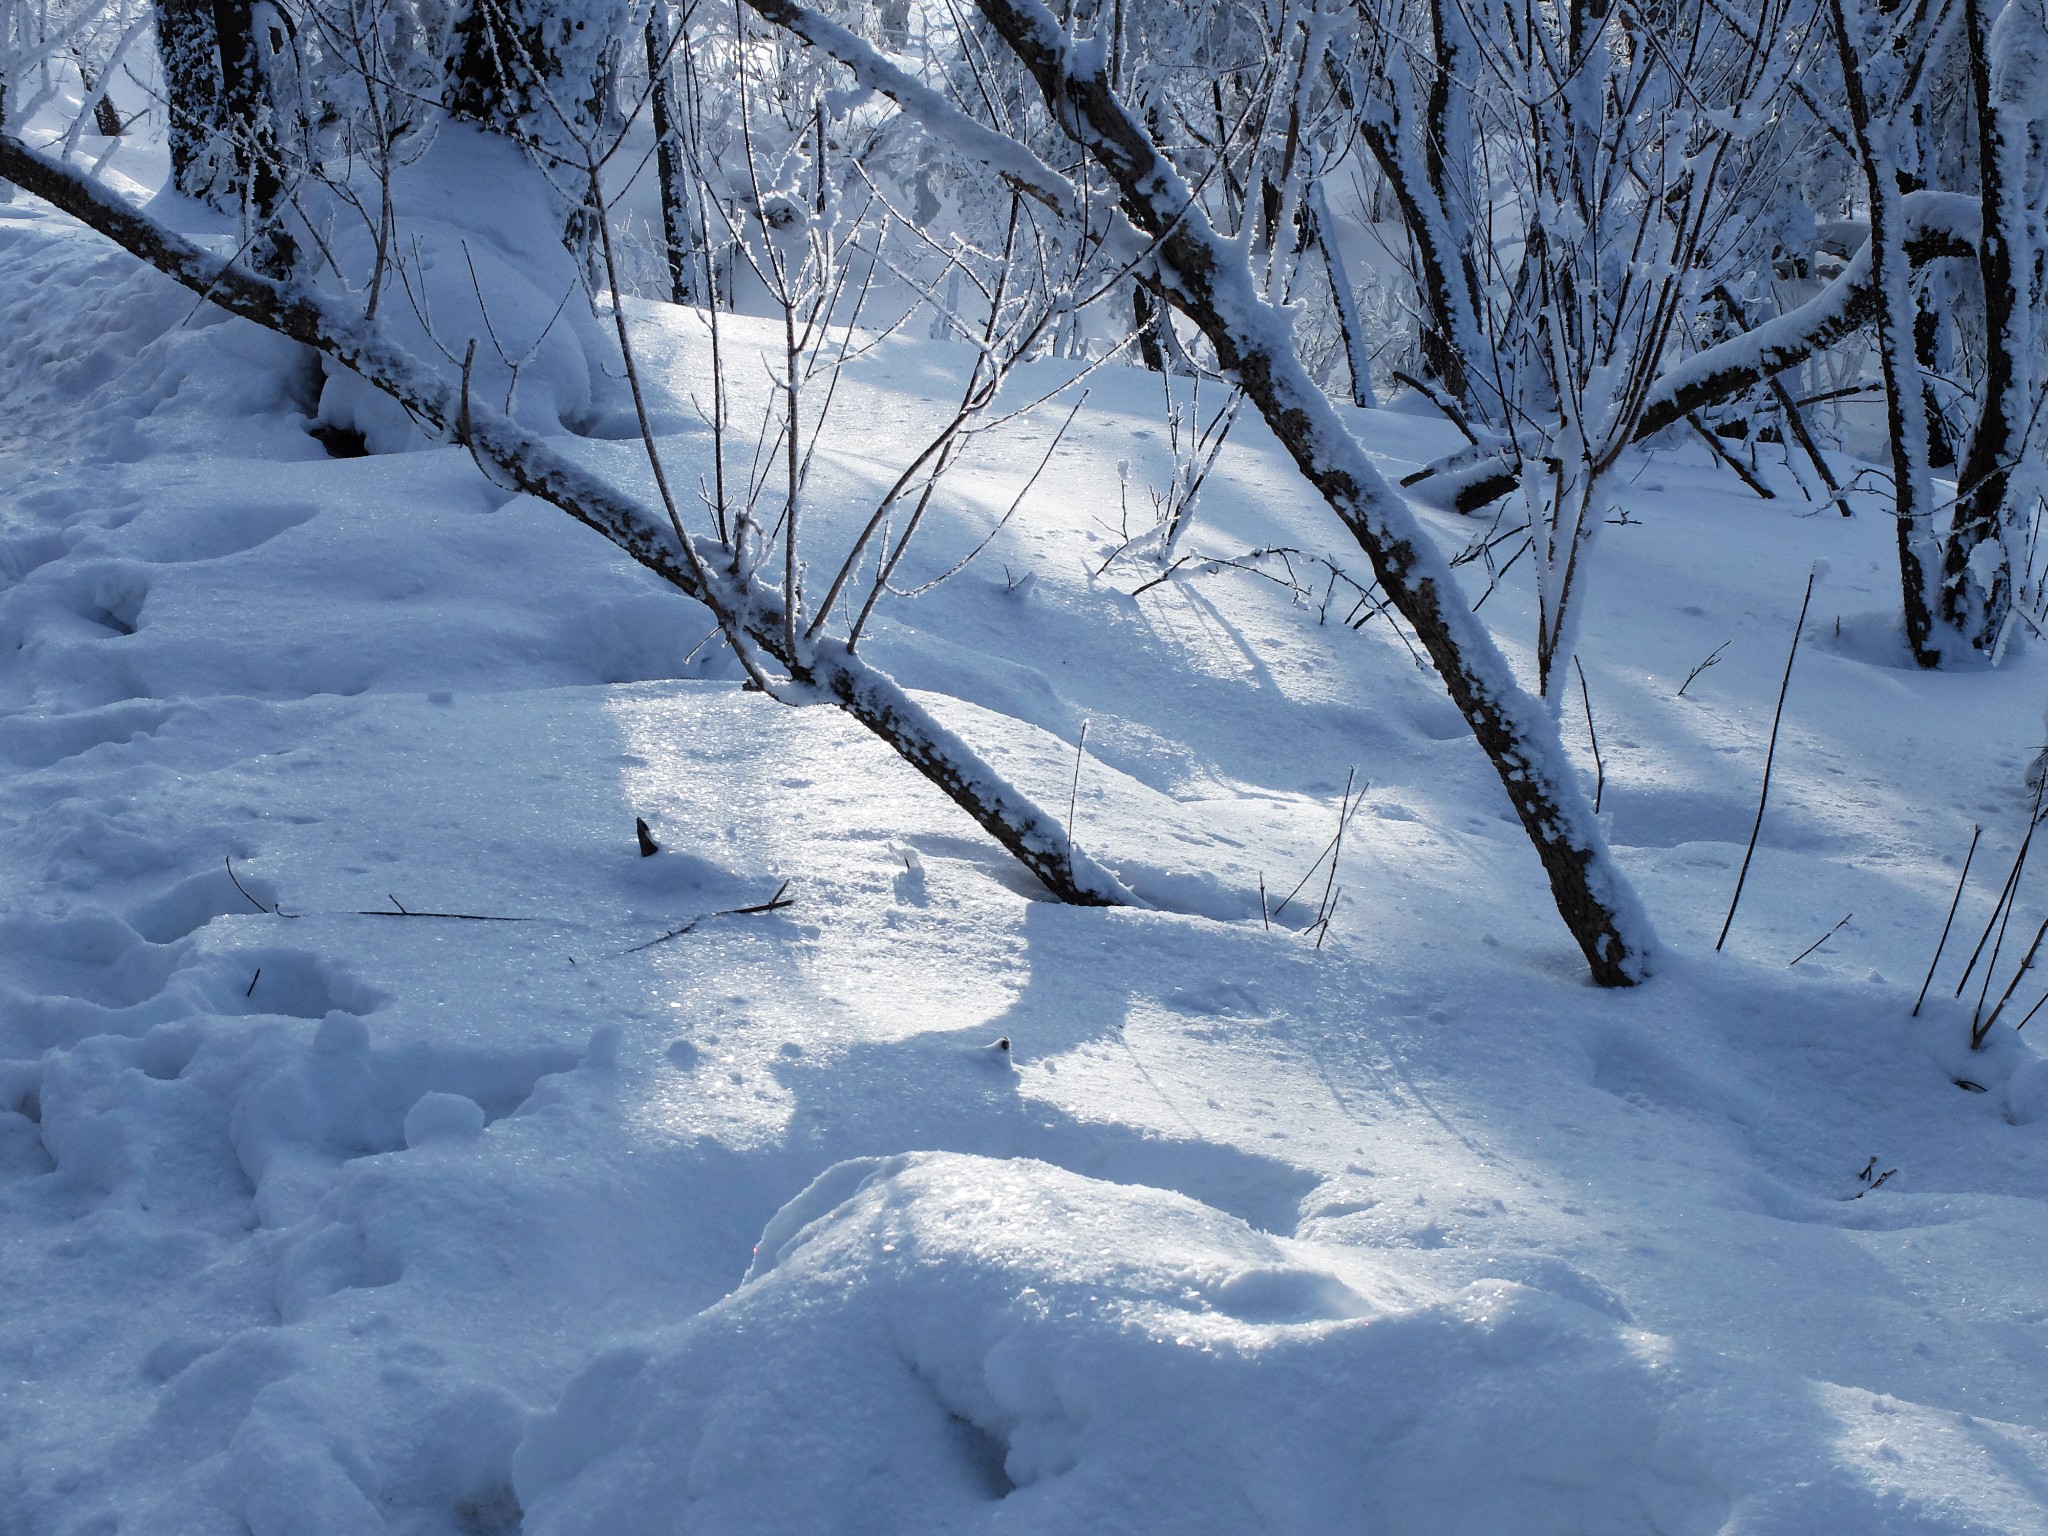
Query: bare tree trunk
{"type": "Point", "coordinates": [671, 161]}
{"type": "Point", "coordinates": [1975, 606]}
{"type": "Point", "coordinates": [191, 66]}
{"type": "Point", "coordinates": [1906, 421]}
{"type": "Point", "coordinates": [246, 109]}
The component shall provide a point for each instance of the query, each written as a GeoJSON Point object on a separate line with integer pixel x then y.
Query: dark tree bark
{"type": "Point", "coordinates": [1145, 323]}
{"type": "Point", "coordinates": [671, 161]}
{"type": "Point", "coordinates": [192, 89]}
{"type": "Point", "coordinates": [1976, 608]}
{"type": "Point", "coordinates": [1905, 418]}
{"type": "Point", "coordinates": [248, 117]}
{"type": "Point", "coordinates": [105, 120]}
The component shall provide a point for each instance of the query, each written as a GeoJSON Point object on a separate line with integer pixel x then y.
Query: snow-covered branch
{"type": "Point", "coordinates": [1034, 837]}
{"type": "Point", "coordinates": [1207, 278]}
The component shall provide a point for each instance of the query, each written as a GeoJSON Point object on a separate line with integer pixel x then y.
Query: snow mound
{"type": "Point", "coordinates": [953, 1343]}
{"type": "Point", "coordinates": [945, 1342]}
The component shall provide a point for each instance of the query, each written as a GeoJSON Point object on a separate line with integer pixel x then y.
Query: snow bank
{"type": "Point", "coordinates": [951, 1343]}
{"type": "Point", "coordinates": [483, 262]}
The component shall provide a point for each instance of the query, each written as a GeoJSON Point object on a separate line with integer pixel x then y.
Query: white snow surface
{"type": "Point", "coordinates": [323, 1217]}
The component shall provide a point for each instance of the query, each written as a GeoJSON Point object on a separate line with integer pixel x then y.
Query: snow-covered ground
{"type": "Point", "coordinates": [320, 1215]}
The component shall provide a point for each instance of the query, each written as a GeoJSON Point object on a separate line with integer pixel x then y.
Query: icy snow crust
{"type": "Point", "coordinates": [314, 1221]}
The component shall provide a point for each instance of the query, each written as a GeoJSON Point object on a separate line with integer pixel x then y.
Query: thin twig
{"type": "Point", "coordinates": [273, 911]}
{"type": "Point", "coordinates": [1979, 1032]}
{"type": "Point", "coordinates": [1599, 768]}
{"type": "Point", "coordinates": [1975, 833]}
{"type": "Point", "coordinates": [1742, 471]}
{"type": "Point", "coordinates": [2005, 895]}
{"type": "Point", "coordinates": [1770, 758]}
{"type": "Point", "coordinates": [1713, 660]}
{"type": "Point", "coordinates": [1325, 906]}
{"type": "Point", "coordinates": [1816, 944]}
{"type": "Point", "coordinates": [774, 903]}
{"type": "Point", "coordinates": [465, 917]}
{"type": "Point", "coordinates": [2023, 1023]}
{"type": "Point", "coordinates": [1345, 814]}
{"type": "Point", "coordinates": [1322, 924]}
{"type": "Point", "coordinates": [1074, 791]}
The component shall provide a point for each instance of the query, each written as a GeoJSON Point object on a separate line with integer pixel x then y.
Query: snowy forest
{"type": "Point", "coordinates": [913, 766]}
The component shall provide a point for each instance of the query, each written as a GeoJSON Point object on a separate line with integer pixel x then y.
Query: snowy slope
{"type": "Point", "coordinates": [316, 1218]}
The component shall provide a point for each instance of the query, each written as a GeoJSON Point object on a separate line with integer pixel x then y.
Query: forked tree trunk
{"type": "Point", "coordinates": [1206, 278]}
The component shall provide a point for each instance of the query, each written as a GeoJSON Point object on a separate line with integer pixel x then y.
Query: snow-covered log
{"type": "Point", "coordinates": [1035, 838]}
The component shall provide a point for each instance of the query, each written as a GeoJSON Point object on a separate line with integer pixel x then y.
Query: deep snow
{"type": "Point", "coordinates": [318, 1219]}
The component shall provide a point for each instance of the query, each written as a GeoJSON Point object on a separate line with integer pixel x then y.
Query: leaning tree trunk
{"type": "Point", "coordinates": [829, 672]}
{"type": "Point", "coordinates": [1207, 279]}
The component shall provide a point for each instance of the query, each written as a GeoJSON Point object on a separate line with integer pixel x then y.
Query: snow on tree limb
{"type": "Point", "coordinates": [877, 701]}
{"type": "Point", "coordinates": [998, 151]}
{"type": "Point", "coordinates": [1206, 277]}
{"type": "Point", "coordinates": [1937, 224]}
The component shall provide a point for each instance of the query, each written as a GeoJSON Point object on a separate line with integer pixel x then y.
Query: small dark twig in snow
{"type": "Point", "coordinates": [1816, 944]}
{"type": "Point", "coordinates": [1713, 660]}
{"type": "Point", "coordinates": [1978, 1032]}
{"type": "Point", "coordinates": [230, 861]}
{"type": "Point", "coordinates": [250, 990]}
{"type": "Point", "coordinates": [1865, 1179]}
{"type": "Point", "coordinates": [648, 846]}
{"type": "Point", "coordinates": [463, 917]}
{"type": "Point", "coordinates": [1599, 768]}
{"type": "Point", "coordinates": [1975, 833]}
{"type": "Point", "coordinates": [774, 903]}
{"type": "Point", "coordinates": [1770, 757]}
{"type": "Point", "coordinates": [1074, 791]}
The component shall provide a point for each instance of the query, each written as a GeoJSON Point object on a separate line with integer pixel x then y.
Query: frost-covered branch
{"type": "Point", "coordinates": [1208, 279]}
{"type": "Point", "coordinates": [1035, 838]}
